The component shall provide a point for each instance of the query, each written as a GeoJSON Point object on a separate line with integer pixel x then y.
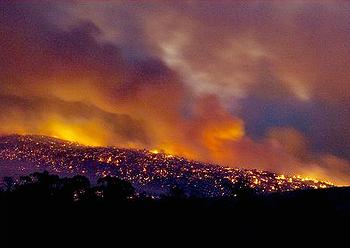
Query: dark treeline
{"type": "Point", "coordinates": [42, 187]}
{"type": "Point", "coordinates": [46, 188]}
{"type": "Point", "coordinates": [44, 204]}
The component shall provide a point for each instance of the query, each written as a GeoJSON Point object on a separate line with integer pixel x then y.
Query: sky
{"type": "Point", "coordinates": [252, 84]}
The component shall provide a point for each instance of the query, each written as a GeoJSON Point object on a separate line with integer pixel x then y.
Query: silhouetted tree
{"type": "Point", "coordinates": [8, 183]}
{"type": "Point", "coordinates": [44, 186]}
{"type": "Point", "coordinates": [241, 189]}
{"type": "Point", "coordinates": [76, 188]}
{"type": "Point", "coordinates": [176, 192]}
{"type": "Point", "coordinates": [24, 180]}
{"type": "Point", "coordinates": [115, 188]}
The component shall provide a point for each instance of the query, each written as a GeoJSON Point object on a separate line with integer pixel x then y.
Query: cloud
{"type": "Point", "coordinates": [291, 140]}
{"type": "Point", "coordinates": [258, 84]}
{"type": "Point", "coordinates": [69, 120]}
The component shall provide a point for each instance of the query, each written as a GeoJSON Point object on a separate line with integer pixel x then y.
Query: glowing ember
{"type": "Point", "coordinates": [143, 168]}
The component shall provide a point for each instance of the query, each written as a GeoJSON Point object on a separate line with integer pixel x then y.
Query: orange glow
{"type": "Point", "coordinates": [215, 134]}
{"type": "Point", "coordinates": [154, 151]}
{"type": "Point", "coordinates": [83, 133]}
{"type": "Point", "coordinates": [217, 141]}
{"type": "Point", "coordinates": [188, 82]}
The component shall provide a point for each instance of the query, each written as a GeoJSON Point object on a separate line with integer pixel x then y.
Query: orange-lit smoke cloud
{"type": "Point", "coordinates": [168, 76]}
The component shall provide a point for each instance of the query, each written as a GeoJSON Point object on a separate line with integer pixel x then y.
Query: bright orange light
{"type": "Point", "coordinates": [154, 151]}
{"type": "Point", "coordinates": [86, 134]}
{"type": "Point", "coordinates": [217, 133]}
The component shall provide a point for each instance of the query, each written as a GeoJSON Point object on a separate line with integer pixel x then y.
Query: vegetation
{"type": "Point", "coordinates": [49, 204]}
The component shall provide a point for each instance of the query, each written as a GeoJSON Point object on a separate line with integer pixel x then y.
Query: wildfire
{"type": "Point", "coordinates": [83, 133]}
{"type": "Point", "coordinates": [144, 167]}
{"type": "Point", "coordinates": [216, 133]}
{"type": "Point", "coordinates": [154, 151]}
{"type": "Point", "coordinates": [214, 138]}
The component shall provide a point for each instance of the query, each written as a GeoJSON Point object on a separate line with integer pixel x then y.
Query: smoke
{"type": "Point", "coordinates": [73, 121]}
{"type": "Point", "coordinates": [255, 85]}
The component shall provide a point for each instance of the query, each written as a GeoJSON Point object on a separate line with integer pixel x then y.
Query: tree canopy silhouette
{"type": "Point", "coordinates": [116, 189]}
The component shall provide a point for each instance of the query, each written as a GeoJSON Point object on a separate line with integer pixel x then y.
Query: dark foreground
{"type": "Point", "coordinates": [41, 215]}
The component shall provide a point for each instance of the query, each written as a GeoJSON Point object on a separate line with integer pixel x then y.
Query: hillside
{"type": "Point", "coordinates": [149, 171]}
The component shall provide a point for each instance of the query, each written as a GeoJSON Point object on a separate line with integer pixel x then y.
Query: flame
{"type": "Point", "coordinates": [215, 134]}
{"type": "Point", "coordinates": [87, 134]}
{"type": "Point", "coordinates": [154, 151]}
